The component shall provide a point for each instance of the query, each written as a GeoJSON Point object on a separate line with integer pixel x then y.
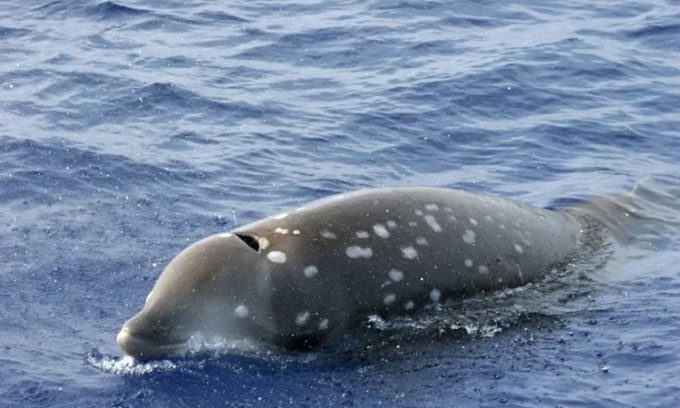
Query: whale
{"type": "Point", "coordinates": [303, 278]}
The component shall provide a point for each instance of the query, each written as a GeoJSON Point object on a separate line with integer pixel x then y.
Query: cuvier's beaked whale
{"type": "Point", "coordinates": [300, 278]}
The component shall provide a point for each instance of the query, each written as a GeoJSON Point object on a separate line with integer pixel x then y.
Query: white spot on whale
{"type": "Point", "coordinates": [452, 218]}
{"type": "Point", "coordinates": [391, 224]}
{"type": "Point", "coordinates": [241, 311]}
{"type": "Point", "coordinates": [264, 243]}
{"type": "Point", "coordinates": [296, 232]}
{"type": "Point", "coordinates": [328, 235]}
{"type": "Point", "coordinates": [432, 222]}
{"type": "Point", "coordinates": [468, 262]}
{"type": "Point", "coordinates": [381, 231]}
{"type": "Point", "coordinates": [418, 212]}
{"type": "Point", "coordinates": [473, 221]}
{"type": "Point", "coordinates": [412, 224]}
{"type": "Point", "coordinates": [280, 216]}
{"type": "Point", "coordinates": [301, 318]}
{"type": "Point", "coordinates": [396, 275]}
{"type": "Point", "coordinates": [409, 305]}
{"type": "Point", "coordinates": [502, 226]}
{"type": "Point", "coordinates": [389, 298]}
{"type": "Point", "coordinates": [488, 218]}
{"type": "Point", "coordinates": [409, 252]}
{"type": "Point", "coordinates": [310, 271]}
{"type": "Point", "coordinates": [432, 207]}
{"type": "Point", "coordinates": [519, 249]}
{"type": "Point", "coordinates": [283, 231]}
{"type": "Point", "coordinates": [435, 295]}
{"type": "Point", "coordinates": [483, 269]}
{"type": "Point", "coordinates": [421, 241]}
{"type": "Point", "coordinates": [356, 251]}
{"type": "Point", "coordinates": [323, 324]}
{"type": "Point", "coordinates": [469, 237]}
{"type": "Point", "coordinates": [276, 256]}
{"type": "Point", "coordinates": [362, 234]}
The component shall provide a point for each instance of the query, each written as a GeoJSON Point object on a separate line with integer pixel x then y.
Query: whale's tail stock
{"type": "Point", "coordinates": [646, 217]}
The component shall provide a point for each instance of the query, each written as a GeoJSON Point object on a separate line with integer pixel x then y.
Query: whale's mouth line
{"type": "Point", "coordinates": [140, 347]}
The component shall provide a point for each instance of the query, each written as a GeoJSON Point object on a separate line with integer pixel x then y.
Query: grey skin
{"type": "Point", "coordinates": [302, 278]}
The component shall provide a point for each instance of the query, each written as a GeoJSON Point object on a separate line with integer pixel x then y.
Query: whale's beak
{"type": "Point", "coordinates": [139, 347]}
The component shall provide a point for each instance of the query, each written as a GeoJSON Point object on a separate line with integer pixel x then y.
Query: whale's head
{"type": "Point", "coordinates": [203, 291]}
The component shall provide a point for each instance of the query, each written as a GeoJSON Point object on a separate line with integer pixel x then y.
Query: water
{"type": "Point", "coordinates": [129, 129]}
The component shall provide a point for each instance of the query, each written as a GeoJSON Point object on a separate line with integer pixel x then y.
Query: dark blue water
{"type": "Point", "coordinates": [129, 129]}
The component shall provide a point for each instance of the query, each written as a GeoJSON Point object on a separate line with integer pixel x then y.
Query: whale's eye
{"type": "Point", "coordinates": [250, 241]}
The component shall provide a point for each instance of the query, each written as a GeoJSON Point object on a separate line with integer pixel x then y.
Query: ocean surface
{"type": "Point", "coordinates": [130, 129]}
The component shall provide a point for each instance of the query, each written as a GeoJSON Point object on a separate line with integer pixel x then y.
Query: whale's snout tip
{"type": "Point", "coordinates": [140, 347]}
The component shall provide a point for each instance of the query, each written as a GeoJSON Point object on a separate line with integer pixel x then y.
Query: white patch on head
{"type": "Point", "coordinates": [301, 318]}
{"type": "Point", "coordinates": [264, 243]}
{"type": "Point", "coordinates": [432, 222]}
{"type": "Point", "coordinates": [469, 237]}
{"type": "Point", "coordinates": [280, 216]}
{"type": "Point", "coordinates": [435, 295]}
{"type": "Point", "coordinates": [225, 235]}
{"type": "Point", "coordinates": [519, 249]}
{"type": "Point", "coordinates": [241, 311]}
{"type": "Point", "coordinates": [296, 232]}
{"type": "Point", "coordinates": [396, 275]}
{"type": "Point", "coordinates": [412, 224]}
{"type": "Point", "coordinates": [283, 231]}
{"type": "Point", "coordinates": [327, 234]}
{"type": "Point", "coordinates": [391, 224]}
{"type": "Point", "coordinates": [421, 241]}
{"type": "Point", "coordinates": [409, 305]}
{"type": "Point", "coordinates": [323, 324]}
{"type": "Point", "coordinates": [310, 271]}
{"type": "Point", "coordinates": [418, 212]}
{"type": "Point", "coordinates": [409, 252]}
{"type": "Point", "coordinates": [362, 234]}
{"type": "Point", "coordinates": [468, 263]}
{"type": "Point", "coordinates": [483, 269]}
{"type": "Point", "coordinates": [432, 207]}
{"type": "Point", "coordinates": [473, 221]}
{"type": "Point", "coordinates": [381, 231]}
{"type": "Point", "coordinates": [389, 298]}
{"type": "Point", "coordinates": [356, 251]}
{"type": "Point", "coordinates": [276, 256]}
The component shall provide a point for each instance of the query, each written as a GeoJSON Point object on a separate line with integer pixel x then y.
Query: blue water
{"type": "Point", "coordinates": [129, 129]}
